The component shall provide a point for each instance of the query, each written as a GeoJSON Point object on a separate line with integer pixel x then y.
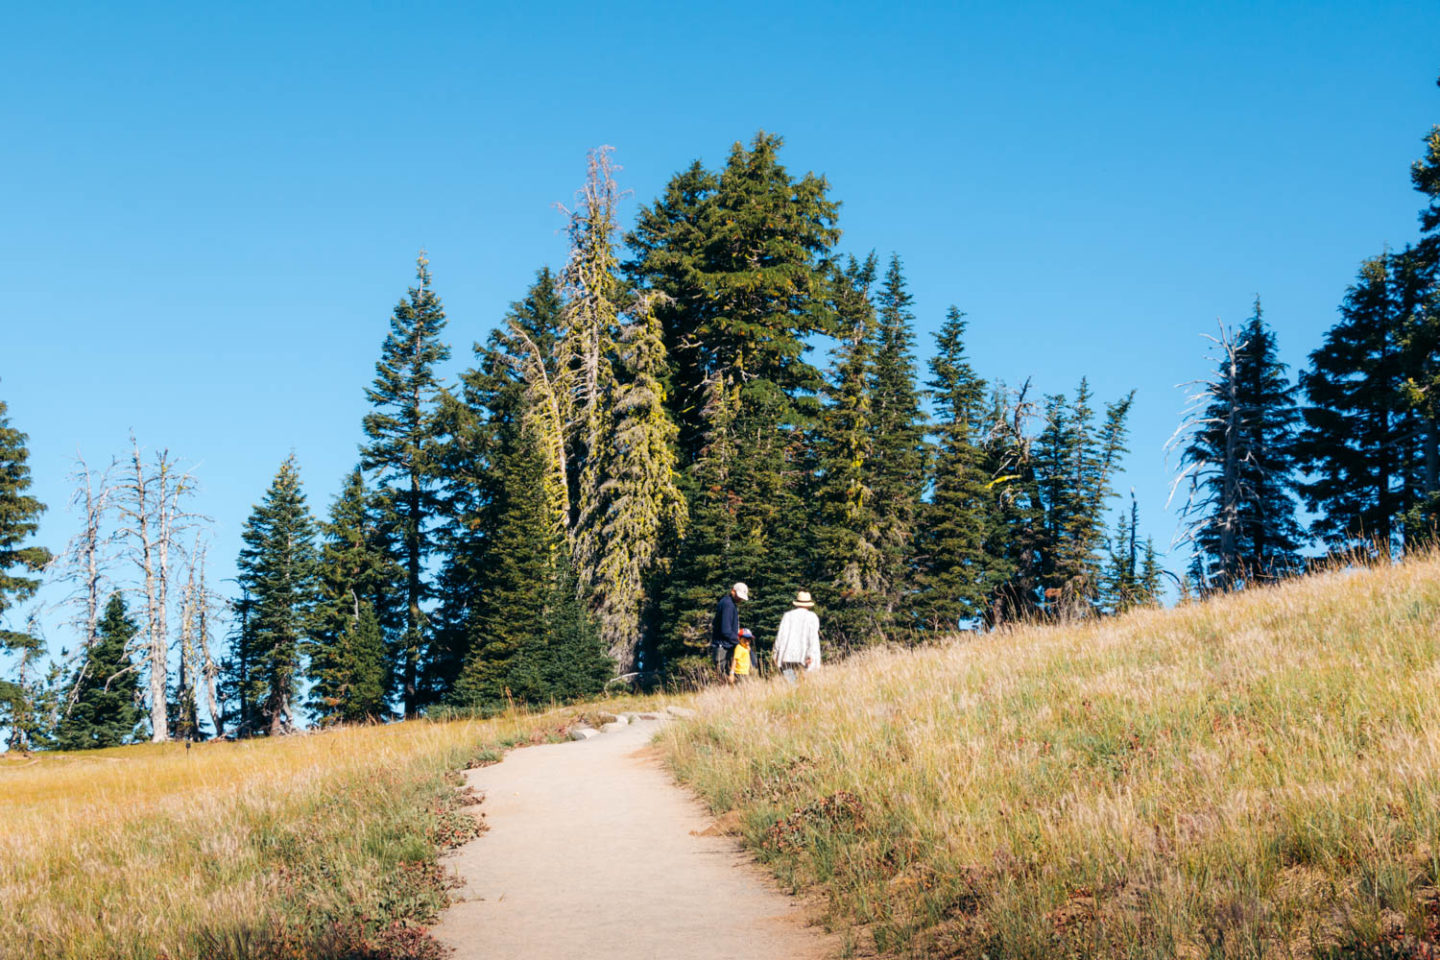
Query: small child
{"type": "Point", "coordinates": [740, 666]}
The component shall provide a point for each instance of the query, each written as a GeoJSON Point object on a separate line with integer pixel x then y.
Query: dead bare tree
{"type": "Point", "coordinates": [148, 503]}
{"type": "Point", "coordinates": [85, 561]}
{"type": "Point", "coordinates": [198, 671]}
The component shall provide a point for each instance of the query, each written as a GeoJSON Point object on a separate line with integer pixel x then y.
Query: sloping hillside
{"type": "Point", "coordinates": [1257, 776]}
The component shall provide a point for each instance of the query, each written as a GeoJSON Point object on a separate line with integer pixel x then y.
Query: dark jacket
{"type": "Point", "coordinates": [725, 630]}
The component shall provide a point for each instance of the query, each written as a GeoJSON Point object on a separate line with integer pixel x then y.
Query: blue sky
{"type": "Point", "coordinates": [207, 211]}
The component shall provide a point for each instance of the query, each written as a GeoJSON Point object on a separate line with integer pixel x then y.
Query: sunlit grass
{"type": "Point", "coordinates": [305, 846]}
{"type": "Point", "coordinates": [1256, 776]}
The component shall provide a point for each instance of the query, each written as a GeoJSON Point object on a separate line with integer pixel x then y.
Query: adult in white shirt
{"type": "Point", "coordinates": [797, 644]}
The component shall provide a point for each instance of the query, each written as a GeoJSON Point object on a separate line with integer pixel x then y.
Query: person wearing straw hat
{"type": "Point", "coordinates": [797, 643]}
{"type": "Point", "coordinates": [725, 630]}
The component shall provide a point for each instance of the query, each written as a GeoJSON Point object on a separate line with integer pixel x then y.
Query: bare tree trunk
{"type": "Point", "coordinates": [137, 508]}
{"type": "Point", "coordinates": [209, 671]}
{"type": "Point", "coordinates": [85, 560]}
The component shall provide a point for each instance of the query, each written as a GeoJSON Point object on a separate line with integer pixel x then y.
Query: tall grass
{"type": "Point", "coordinates": [303, 847]}
{"type": "Point", "coordinates": [1257, 776]}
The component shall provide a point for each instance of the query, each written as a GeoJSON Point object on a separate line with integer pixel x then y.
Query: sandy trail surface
{"type": "Point", "coordinates": [593, 852]}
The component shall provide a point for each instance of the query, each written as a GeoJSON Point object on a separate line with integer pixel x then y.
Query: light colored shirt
{"type": "Point", "coordinates": [798, 638]}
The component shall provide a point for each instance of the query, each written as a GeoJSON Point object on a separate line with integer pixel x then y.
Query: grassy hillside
{"type": "Point", "coordinates": [1257, 776]}
{"type": "Point", "coordinates": [303, 847]}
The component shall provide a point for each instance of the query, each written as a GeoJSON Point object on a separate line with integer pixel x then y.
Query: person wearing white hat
{"type": "Point", "coordinates": [797, 643]}
{"type": "Point", "coordinates": [725, 629]}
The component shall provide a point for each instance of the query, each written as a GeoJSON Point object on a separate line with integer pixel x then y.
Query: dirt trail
{"type": "Point", "coordinates": [593, 853]}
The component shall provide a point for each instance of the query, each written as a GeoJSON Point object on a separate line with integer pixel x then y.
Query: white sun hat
{"type": "Point", "coordinates": [741, 591]}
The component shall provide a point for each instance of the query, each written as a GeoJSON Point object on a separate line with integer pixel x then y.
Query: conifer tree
{"type": "Point", "coordinates": [1421, 340]}
{"type": "Point", "coordinates": [522, 566]}
{"type": "Point", "coordinates": [106, 689]}
{"type": "Point", "coordinates": [277, 568]}
{"type": "Point", "coordinates": [19, 520]}
{"type": "Point", "coordinates": [956, 576]}
{"type": "Point", "coordinates": [587, 384]}
{"type": "Point", "coordinates": [347, 645]}
{"type": "Point", "coordinates": [1238, 461]}
{"type": "Point", "coordinates": [404, 448]}
{"type": "Point", "coordinates": [1358, 445]}
{"type": "Point", "coordinates": [1132, 572]}
{"type": "Point", "coordinates": [744, 259]}
{"type": "Point", "coordinates": [1016, 534]}
{"type": "Point", "coordinates": [490, 404]}
{"type": "Point", "coordinates": [898, 449]}
{"type": "Point", "coordinates": [644, 509]}
{"type": "Point", "coordinates": [1075, 465]}
{"type": "Point", "coordinates": [847, 553]}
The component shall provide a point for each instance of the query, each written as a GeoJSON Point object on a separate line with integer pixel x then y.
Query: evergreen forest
{"type": "Point", "coordinates": [716, 391]}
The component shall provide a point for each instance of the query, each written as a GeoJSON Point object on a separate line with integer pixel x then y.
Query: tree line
{"type": "Point", "coordinates": [646, 426]}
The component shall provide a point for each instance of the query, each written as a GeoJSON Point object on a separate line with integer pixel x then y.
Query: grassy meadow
{"type": "Point", "coordinates": [1256, 776]}
{"type": "Point", "coordinates": [323, 845]}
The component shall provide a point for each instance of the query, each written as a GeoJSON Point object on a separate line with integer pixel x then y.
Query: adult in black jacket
{"type": "Point", "coordinates": [725, 629]}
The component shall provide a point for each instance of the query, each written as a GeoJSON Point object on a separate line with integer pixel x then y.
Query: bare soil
{"type": "Point", "coordinates": [593, 852]}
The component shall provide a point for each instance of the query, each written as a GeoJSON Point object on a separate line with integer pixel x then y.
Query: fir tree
{"type": "Point", "coordinates": [105, 710]}
{"type": "Point", "coordinates": [1075, 465]}
{"type": "Point", "coordinates": [1132, 572]}
{"type": "Point", "coordinates": [898, 450]}
{"type": "Point", "coordinates": [1015, 538]}
{"type": "Point", "coordinates": [521, 569]}
{"type": "Point", "coordinates": [1358, 444]}
{"type": "Point", "coordinates": [743, 259]}
{"type": "Point", "coordinates": [643, 508]}
{"type": "Point", "coordinates": [404, 448]}
{"type": "Point", "coordinates": [956, 576]}
{"type": "Point", "coordinates": [277, 568]}
{"type": "Point", "coordinates": [347, 645]}
{"type": "Point", "coordinates": [489, 406]}
{"type": "Point", "coordinates": [1421, 341]}
{"type": "Point", "coordinates": [1239, 463]}
{"type": "Point", "coordinates": [587, 383]}
{"type": "Point", "coordinates": [847, 555]}
{"type": "Point", "coordinates": [19, 520]}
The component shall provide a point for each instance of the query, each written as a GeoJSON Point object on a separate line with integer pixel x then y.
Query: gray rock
{"type": "Point", "coordinates": [623, 719]}
{"type": "Point", "coordinates": [684, 713]}
{"type": "Point", "coordinates": [583, 733]}
{"type": "Point", "coordinates": [612, 727]}
{"type": "Point", "coordinates": [650, 715]}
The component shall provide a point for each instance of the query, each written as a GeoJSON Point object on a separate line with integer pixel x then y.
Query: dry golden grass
{"type": "Point", "coordinates": [1257, 776]}
{"type": "Point", "coordinates": [306, 846]}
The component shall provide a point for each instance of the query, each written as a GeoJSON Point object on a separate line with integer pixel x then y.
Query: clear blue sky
{"type": "Point", "coordinates": [207, 211]}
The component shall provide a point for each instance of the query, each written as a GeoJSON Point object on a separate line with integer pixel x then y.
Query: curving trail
{"type": "Point", "coordinates": [593, 852]}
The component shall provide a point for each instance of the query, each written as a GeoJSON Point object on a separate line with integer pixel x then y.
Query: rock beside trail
{"type": "Point", "coordinates": [684, 713]}
{"type": "Point", "coordinates": [584, 733]}
{"type": "Point", "coordinates": [612, 727]}
{"type": "Point", "coordinates": [650, 715]}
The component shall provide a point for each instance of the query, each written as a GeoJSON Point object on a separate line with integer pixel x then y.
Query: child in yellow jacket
{"type": "Point", "coordinates": [740, 666]}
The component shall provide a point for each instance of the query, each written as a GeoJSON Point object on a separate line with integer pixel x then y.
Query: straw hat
{"type": "Point", "coordinates": [802, 599]}
{"type": "Point", "coordinates": [741, 591]}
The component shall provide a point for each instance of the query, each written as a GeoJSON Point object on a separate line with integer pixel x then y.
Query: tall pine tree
{"type": "Point", "coordinates": [956, 574]}
{"type": "Point", "coordinates": [643, 509]}
{"type": "Point", "coordinates": [404, 449]}
{"type": "Point", "coordinates": [1238, 461]}
{"type": "Point", "coordinates": [277, 572]}
{"type": "Point", "coordinates": [898, 450]}
{"type": "Point", "coordinates": [847, 554]}
{"type": "Point", "coordinates": [347, 644]}
{"type": "Point", "coordinates": [19, 520]}
{"type": "Point", "coordinates": [1358, 445]}
{"type": "Point", "coordinates": [743, 258]}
